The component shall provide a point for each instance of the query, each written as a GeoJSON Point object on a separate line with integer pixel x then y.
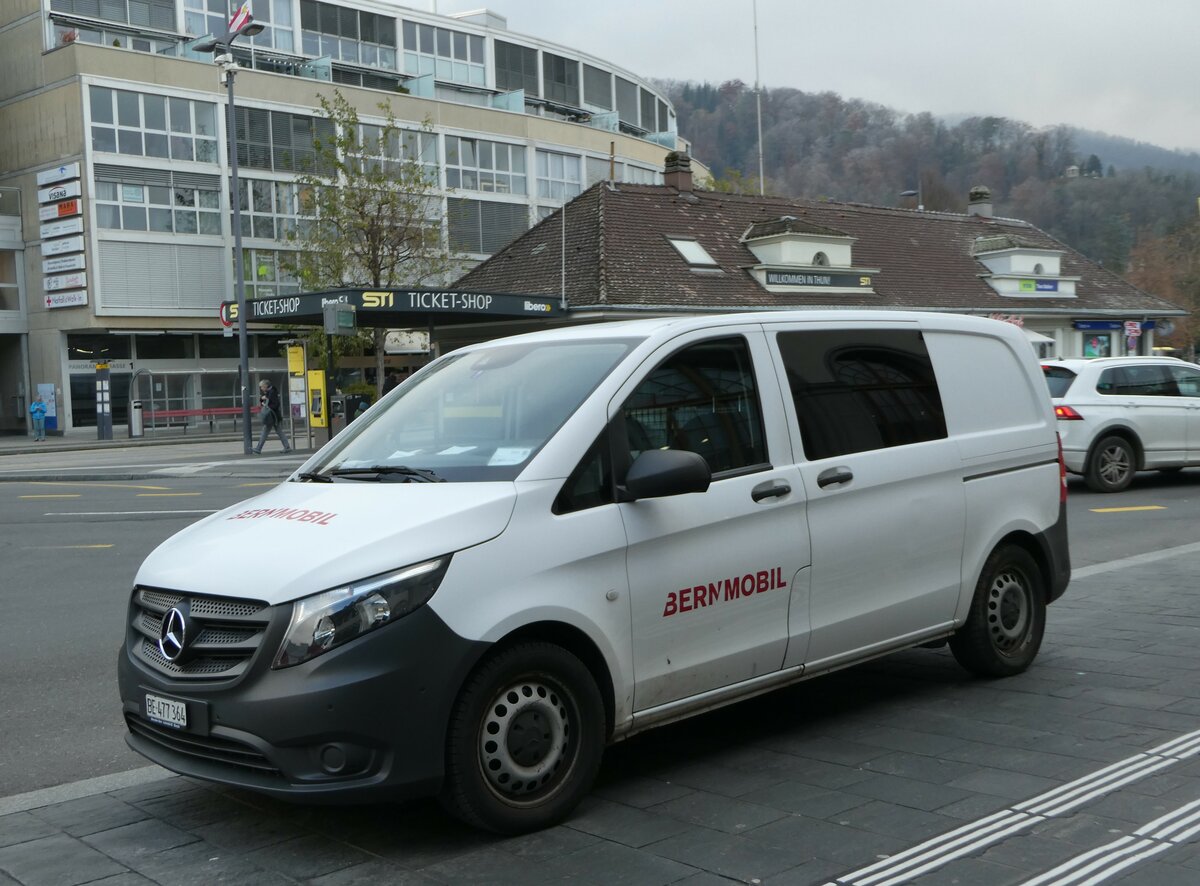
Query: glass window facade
{"type": "Point", "coordinates": [561, 79]}
{"type": "Point", "coordinates": [478, 165]}
{"type": "Point", "coordinates": [516, 68]}
{"type": "Point", "coordinates": [158, 14]}
{"type": "Point", "coordinates": [484, 227]}
{"type": "Point", "coordinates": [597, 88]}
{"type": "Point", "coordinates": [157, 206]}
{"type": "Point", "coordinates": [271, 210]}
{"type": "Point", "coordinates": [278, 140]}
{"type": "Point", "coordinates": [10, 294]}
{"type": "Point", "coordinates": [447, 54]}
{"type": "Point", "coordinates": [349, 35]}
{"type": "Point", "coordinates": [267, 272]}
{"type": "Point", "coordinates": [627, 101]}
{"type": "Point", "coordinates": [559, 176]}
{"type": "Point", "coordinates": [143, 125]}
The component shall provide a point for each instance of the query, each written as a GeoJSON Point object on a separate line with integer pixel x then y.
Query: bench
{"type": "Point", "coordinates": [211, 414]}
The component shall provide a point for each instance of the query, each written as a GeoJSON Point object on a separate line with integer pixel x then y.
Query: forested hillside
{"type": "Point", "coordinates": [821, 145]}
{"type": "Point", "coordinates": [1131, 206]}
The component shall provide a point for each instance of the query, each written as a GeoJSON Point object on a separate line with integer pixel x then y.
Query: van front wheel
{"type": "Point", "coordinates": [525, 740]}
{"type": "Point", "coordinates": [1004, 627]}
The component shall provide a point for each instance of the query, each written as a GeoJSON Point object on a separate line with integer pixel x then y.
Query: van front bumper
{"type": "Point", "coordinates": [366, 720]}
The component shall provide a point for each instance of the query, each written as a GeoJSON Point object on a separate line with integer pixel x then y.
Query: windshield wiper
{"type": "Point", "coordinates": [315, 477]}
{"type": "Point", "coordinates": [410, 475]}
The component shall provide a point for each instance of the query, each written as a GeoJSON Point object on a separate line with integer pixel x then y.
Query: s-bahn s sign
{"type": "Point", "coordinates": [387, 304]}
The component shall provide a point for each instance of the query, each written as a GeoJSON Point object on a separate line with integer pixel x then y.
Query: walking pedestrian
{"type": "Point", "coordinates": [269, 414]}
{"type": "Point", "coordinates": [37, 411]}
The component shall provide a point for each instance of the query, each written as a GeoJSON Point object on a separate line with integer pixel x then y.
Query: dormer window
{"type": "Point", "coordinates": [795, 255]}
{"type": "Point", "coordinates": [1022, 268]}
{"type": "Point", "coordinates": [820, 260]}
{"type": "Point", "coordinates": [693, 253]}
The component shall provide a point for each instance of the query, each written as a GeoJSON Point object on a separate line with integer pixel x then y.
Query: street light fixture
{"type": "Point", "coordinates": [242, 24]}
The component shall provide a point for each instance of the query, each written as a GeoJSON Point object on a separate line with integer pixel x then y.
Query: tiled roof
{"type": "Point", "coordinates": [617, 254]}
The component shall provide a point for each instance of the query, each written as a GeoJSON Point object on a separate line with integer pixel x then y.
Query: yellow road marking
{"type": "Point", "coordinates": [166, 494]}
{"type": "Point", "coordinates": [1124, 510]}
{"type": "Point", "coordinates": [74, 547]}
{"type": "Point", "coordinates": [90, 485]}
{"type": "Point", "coordinates": [54, 495]}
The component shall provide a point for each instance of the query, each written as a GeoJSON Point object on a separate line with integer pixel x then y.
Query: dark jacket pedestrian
{"type": "Point", "coordinates": [270, 415]}
{"type": "Point", "coordinates": [390, 382]}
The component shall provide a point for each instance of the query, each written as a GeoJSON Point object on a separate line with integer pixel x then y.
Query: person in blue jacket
{"type": "Point", "coordinates": [37, 411]}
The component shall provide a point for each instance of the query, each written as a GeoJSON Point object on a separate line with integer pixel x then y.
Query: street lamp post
{"type": "Point", "coordinates": [242, 23]}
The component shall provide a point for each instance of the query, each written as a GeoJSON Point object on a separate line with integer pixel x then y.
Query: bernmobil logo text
{"type": "Point", "coordinates": [723, 590]}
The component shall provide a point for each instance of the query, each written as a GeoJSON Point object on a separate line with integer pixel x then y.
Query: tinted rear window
{"type": "Point", "coordinates": [1058, 379]}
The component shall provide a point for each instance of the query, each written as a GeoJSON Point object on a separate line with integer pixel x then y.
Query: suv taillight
{"type": "Point", "coordinates": [1062, 472]}
{"type": "Point", "coordinates": [1066, 413]}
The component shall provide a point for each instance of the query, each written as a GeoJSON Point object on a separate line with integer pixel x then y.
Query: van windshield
{"type": "Point", "coordinates": [475, 416]}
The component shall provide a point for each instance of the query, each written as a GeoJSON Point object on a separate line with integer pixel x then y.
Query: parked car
{"type": "Point", "coordinates": [1120, 415]}
{"type": "Point", "coordinates": [539, 545]}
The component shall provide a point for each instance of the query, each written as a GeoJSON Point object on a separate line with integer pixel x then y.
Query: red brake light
{"type": "Point", "coordinates": [1066, 413]}
{"type": "Point", "coordinates": [1062, 473]}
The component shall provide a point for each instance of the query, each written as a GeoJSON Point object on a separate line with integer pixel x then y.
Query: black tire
{"type": "Point", "coordinates": [1003, 631]}
{"type": "Point", "coordinates": [525, 740]}
{"type": "Point", "coordinates": [1111, 466]}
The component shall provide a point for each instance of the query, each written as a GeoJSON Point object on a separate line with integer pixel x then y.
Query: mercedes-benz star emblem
{"type": "Point", "coordinates": [173, 636]}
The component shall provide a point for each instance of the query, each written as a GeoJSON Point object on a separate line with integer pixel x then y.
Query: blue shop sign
{"type": "Point", "coordinates": [1107, 324]}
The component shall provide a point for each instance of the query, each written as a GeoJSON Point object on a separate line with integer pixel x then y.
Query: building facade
{"type": "Point", "coordinates": [115, 215]}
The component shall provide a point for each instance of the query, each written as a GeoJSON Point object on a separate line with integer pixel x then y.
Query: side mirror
{"type": "Point", "coordinates": [657, 473]}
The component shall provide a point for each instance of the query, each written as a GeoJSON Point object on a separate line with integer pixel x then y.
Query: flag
{"type": "Point", "coordinates": [240, 19]}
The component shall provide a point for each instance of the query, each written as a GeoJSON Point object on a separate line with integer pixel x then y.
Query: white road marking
{"type": "Point", "coordinates": [1165, 832]}
{"type": "Point", "coordinates": [1135, 560]}
{"type": "Point", "coordinates": [941, 850]}
{"type": "Point", "coordinates": [121, 513]}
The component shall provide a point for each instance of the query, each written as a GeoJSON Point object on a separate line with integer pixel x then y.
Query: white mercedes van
{"type": "Point", "coordinates": [543, 544]}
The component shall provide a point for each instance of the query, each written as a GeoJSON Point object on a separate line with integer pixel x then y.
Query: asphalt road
{"type": "Point", "coordinates": [73, 547]}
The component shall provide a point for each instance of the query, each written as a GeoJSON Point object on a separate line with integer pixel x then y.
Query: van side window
{"type": "Point", "coordinates": [703, 399]}
{"type": "Point", "coordinates": [858, 390]}
{"type": "Point", "coordinates": [590, 484]}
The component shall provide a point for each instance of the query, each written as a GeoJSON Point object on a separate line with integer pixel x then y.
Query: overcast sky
{"type": "Point", "coordinates": [1126, 67]}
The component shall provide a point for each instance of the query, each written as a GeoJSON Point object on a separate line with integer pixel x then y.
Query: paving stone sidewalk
{"type": "Point", "coordinates": [796, 787]}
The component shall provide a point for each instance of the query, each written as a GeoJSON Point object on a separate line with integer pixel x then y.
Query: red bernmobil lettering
{"type": "Point", "coordinates": [296, 515]}
{"type": "Point", "coordinates": [723, 590]}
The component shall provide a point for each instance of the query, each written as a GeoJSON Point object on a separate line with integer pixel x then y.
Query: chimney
{"type": "Point", "coordinates": [677, 173]}
{"type": "Point", "coordinates": [979, 202]}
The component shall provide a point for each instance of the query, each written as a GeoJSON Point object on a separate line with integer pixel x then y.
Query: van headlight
{"type": "Point", "coordinates": [331, 618]}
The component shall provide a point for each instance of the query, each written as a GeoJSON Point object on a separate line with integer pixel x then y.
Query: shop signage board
{"type": "Point", "coordinates": [66, 299]}
{"type": "Point", "coordinates": [60, 263]}
{"type": "Point", "coordinates": [58, 174]}
{"type": "Point", "coordinates": [59, 228]}
{"type": "Point", "coordinates": [65, 209]}
{"type": "Point", "coordinates": [60, 191]}
{"type": "Point", "coordinates": [77, 280]}
{"type": "Point", "coordinates": [63, 246]}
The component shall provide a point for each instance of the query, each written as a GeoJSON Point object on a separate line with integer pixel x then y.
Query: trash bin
{"type": "Point", "coordinates": [135, 419]}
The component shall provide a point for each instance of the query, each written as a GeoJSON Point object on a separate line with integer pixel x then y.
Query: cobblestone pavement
{"type": "Point", "coordinates": [854, 778]}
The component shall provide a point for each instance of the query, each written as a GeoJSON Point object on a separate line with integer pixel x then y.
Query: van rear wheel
{"type": "Point", "coordinates": [1111, 466]}
{"type": "Point", "coordinates": [1003, 631]}
{"type": "Point", "coordinates": [525, 740]}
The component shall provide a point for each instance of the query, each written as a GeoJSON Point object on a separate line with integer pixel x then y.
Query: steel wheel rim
{"type": "Point", "coordinates": [525, 740]}
{"type": "Point", "coordinates": [1114, 464]}
{"type": "Point", "coordinates": [1010, 611]}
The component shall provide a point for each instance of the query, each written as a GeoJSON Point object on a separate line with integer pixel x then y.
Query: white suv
{"type": "Point", "coordinates": [1120, 415]}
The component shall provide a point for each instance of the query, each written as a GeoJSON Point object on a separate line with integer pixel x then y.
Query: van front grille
{"type": "Point", "coordinates": [223, 636]}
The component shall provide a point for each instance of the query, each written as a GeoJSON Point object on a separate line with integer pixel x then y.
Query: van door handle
{"type": "Point", "coordinates": [834, 477]}
{"type": "Point", "coordinates": [770, 489]}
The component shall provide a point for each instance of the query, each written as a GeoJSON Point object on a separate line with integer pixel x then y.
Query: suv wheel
{"type": "Point", "coordinates": [1111, 466]}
